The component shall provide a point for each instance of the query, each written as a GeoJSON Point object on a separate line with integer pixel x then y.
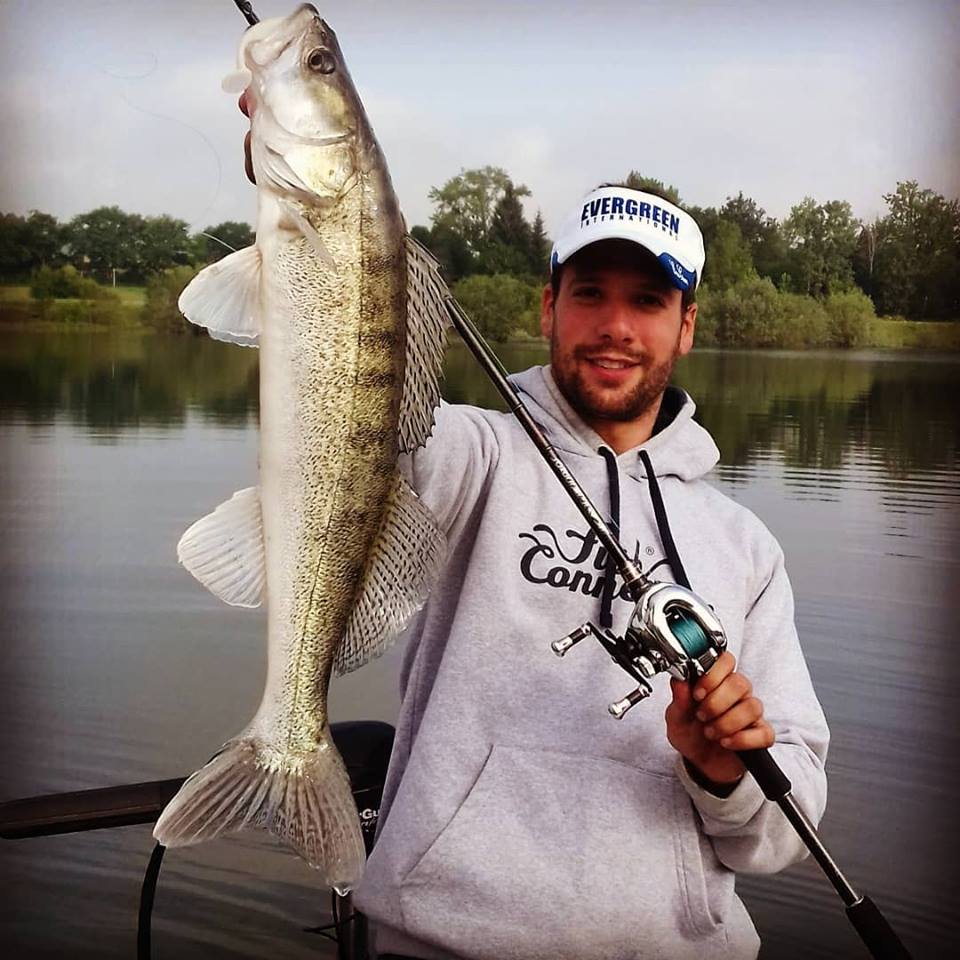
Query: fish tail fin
{"type": "Point", "coordinates": [308, 804]}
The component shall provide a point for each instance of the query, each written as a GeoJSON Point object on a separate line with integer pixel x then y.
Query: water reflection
{"type": "Point", "coordinates": [107, 383]}
{"type": "Point", "coordinates": [826, 411]}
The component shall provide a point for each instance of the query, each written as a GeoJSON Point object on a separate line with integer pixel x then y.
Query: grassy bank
{"type": "Point", "coordinates": [123, 307]}
{"type": "Point", "coordinates": [895, 333]}
{"type": "Point", "coordinates": [113, 308]}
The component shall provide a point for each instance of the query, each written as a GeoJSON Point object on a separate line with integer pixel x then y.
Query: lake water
{"type": "Point", "coordinates": [117, 667]}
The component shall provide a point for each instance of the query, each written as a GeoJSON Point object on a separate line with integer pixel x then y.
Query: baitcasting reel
{"type": "Point", "coordinates": [671, 631]}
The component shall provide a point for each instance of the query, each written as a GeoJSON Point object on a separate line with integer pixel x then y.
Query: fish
{"type": "Point", "coordinates": [349, 315]}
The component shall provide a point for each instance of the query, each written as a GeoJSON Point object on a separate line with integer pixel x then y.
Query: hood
{"type": "Point", "coordinates": [680, 448]}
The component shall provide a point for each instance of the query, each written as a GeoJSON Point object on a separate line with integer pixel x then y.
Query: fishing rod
{"type": "Point", "coordinates": [674, 631]}
{"type": "Point", "coordinates": [246, 8]}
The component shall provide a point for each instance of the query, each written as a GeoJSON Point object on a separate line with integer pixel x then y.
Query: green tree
{"type": "Point", "coordinates": [499, 305]}
{"type": "Point", "coordinates": [917, 265]}
{"type": "Point", "coordinates": [507, 249]}
{"type": "Point", "coordinates": [452, 251]}
{"type": "Point", "coordinates": [707, 219]}
{"type": "Point", "coordinates": [821, 240]}
{"type": "Point", "coordinates": [105, 239]}
{"type": "Point", "coordinates": [762, 233]}
{"type": "Point", "coordinates": [728, 257]}
{"type": "Point", "coordinates": [163, 242]}
{"type": "Point", "coordinates": [12, 259]}
{"type": "Point", "coordinates": [637, 181]}
{"type": "Point", "coordinates": [215, 242]}
{"type": "Point", "coordinates": [466, 203]}
{"type": "Point", "coordinates": [42, 238]}
{"type": "Point", "coordinates": [539, 247]}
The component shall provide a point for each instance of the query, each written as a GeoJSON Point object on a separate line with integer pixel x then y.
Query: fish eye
{"type": "Point", "coordinates": [321, 61]}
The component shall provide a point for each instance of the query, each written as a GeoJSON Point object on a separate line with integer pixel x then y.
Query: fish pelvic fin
{"type": "Point", "coordinates": [224, 298]}
{"type": "Point", "coordinates": [224, 550]}
{"type": "Point", "coordinates": [307, 804]}
{"type": "Point", "coordinates": [427, 325]}
{"type": "Point", "coordinates": [402, 567]}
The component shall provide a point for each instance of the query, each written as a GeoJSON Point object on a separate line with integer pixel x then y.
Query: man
{"type": "Point", "coordinates": [519, 820]}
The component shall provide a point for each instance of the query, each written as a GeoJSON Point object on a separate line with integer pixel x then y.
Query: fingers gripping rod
{"type": "Point", "coordinates": [674, 631]}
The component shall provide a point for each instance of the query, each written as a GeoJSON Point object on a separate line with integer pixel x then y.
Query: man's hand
{"type": "Point", "coordinates": [715, 717]}
{"type": "Point", "coordinates": [244, 105]}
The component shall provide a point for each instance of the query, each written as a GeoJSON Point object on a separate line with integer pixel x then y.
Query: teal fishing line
{"type": "Point", "coordinates": [690, 634]}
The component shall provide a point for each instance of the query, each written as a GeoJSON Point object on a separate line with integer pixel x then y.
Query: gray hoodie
{"type": "Point", "coordinates": [520, 820]}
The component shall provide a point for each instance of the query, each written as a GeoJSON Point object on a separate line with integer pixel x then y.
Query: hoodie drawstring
{"type": "Point", "coordinates": [663, 526]}
{"type": "Point", "coordinates": [610, 571]}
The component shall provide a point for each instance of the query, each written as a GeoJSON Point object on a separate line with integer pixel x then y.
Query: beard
{"type": "Point", "coordinates": [596, 403]}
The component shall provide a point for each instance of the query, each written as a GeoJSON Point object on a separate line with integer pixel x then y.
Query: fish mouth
{"type": "Point", "coordinates": [269, 39]}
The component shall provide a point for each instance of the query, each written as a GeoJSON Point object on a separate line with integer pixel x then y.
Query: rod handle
{"type": "Point", "coordinates": [876, 933]}
{"type": "Point", "coordinates": [766, 771]}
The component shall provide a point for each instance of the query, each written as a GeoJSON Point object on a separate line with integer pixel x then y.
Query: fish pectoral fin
{"type": "Point", "coordinates": [224, 550]}
{"type": "Point", "coordinates": [402, 567]}
{"type": "Point", "coordinates": [427, 324]}
{"type": "Point", "coordinates": [224, 298]}
{"type": "Point", "coordinates": [295, 215]}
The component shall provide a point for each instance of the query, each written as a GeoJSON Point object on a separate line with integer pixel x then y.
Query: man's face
{"type": "Point", "coordinates": [616, 327]}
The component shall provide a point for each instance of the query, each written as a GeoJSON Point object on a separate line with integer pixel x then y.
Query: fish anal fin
{"type": "Point", "coordinates": [402, 567]}
{"type": "Point", "coordinates": [224, 550]}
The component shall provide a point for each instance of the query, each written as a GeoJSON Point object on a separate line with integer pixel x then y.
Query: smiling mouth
{"type": "Point", "coordinates": [610, 363]}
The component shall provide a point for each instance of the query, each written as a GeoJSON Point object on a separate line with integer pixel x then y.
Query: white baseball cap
{"type": "Point", "coordinates": [617, 213]}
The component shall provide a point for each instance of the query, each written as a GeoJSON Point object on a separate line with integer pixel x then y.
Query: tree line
{"type": "Point", "coordinates": [816, 277]}
{"type": "Point", "coordinates": [108, 243]}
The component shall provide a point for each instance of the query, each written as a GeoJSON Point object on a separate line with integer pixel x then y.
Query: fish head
{"type": "Point", "coordinates": [308, 125]}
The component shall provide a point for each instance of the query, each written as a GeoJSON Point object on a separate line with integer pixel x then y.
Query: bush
{"type": "Point", "coordinates": [803, 322]}
{"type": "Point", "coordinates": [66, 282]}
{"type": "Point", "coordinates": [160, 308]}
{"type": "Point", "coordinates": [754, 313]}
{"type": "Point", "coordinates": [500, 305]}
{"type": "Point", "coordinates": [850, 317]}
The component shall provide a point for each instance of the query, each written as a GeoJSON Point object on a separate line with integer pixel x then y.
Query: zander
{"type": "Point", "coordinates": [349, 316]}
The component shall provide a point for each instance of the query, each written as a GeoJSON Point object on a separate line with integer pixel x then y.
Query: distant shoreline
{"type": "Point", "coordinates": [19, 313]}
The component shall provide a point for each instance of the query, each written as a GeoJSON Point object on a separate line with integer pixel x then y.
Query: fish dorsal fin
{"type": "Point", "coordinates": [427, 323]}
{"type": "Point", "coordinates": [402, 566]}
{"type": "Point", "coordinates": [224, 298]}
{"type": "Point", "coordinates": [224, 550]}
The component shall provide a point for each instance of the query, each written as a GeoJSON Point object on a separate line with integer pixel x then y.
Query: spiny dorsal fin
{"type": "Point", "coordinates": [427, 323]}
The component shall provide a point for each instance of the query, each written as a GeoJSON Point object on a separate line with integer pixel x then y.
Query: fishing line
{"type": "Point", "coordinates": [201, 135]}
{"type": "Point", "coordinates": [134, 76]}
{"type": "Point", "coordinates": [210, 236]}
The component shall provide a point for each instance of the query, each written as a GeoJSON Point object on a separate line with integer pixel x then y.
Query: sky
{"type": "Point", "coordinates": [119, 101]}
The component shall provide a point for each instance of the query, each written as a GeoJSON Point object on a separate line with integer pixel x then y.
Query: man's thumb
{"type": "Point", "coordinates": [682, 694]}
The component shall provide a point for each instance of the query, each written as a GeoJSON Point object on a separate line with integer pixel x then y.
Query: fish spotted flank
{"type": "Point", "coordinates": [348, 314]}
